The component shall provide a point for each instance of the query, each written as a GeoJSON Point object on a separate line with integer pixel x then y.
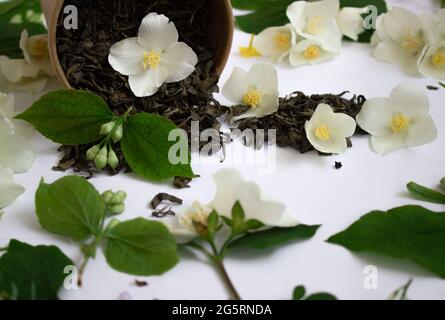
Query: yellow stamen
{"type": "Point", "coordinates": [315, 25]}
{"type": "Point", "coordinates": [438, 59]}
{"type": "Point", "coordinates": [38, 48]}
{"type": "Point", "coordinates": [322, 133]}
{"type": "Point", "coordinates": [152, 60]}
{"type": "Point", "coordinates": [282, 41]}
{"type": "Point", "coordinates": [399, 123]}
{"type": "Point", "coordinates": [412, 43]}
{"type": "Point", "coordinates": [198, 215]}
{"type": "Point", "coordinates": [312, 52]}
{"type": "Point", "coordinates": [253, 98]}
{"type": "Point", "coordinates": [250, 51]}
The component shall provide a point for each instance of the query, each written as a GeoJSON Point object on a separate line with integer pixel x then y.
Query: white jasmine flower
{"type": "Point", "coordinates": [9, 191]}
{"type": "Point", "coordinates": [400, 39]}
{"type": "Point", "coordinates": [317, 21]}
{"type": "Point", "coordinates": [327, 131]}
{"type": "Point", "coordinates": [183, 226]}
{"type": "Point", "coordinates": [36, 52]}
{"type": "Point", "coordinates": [432, 61]}
{"type": "Point", "coordinates": [231, 187]}
{"type": "Point", "coordinates": [351, 22]}
{"type": "Point", "coordinates": [257, 88]}
{"type": "Point", "coordinates": [402, 120]}
{"type": "Point", "coordinates": [309, 52]}
{"type": "Point", "coordinates": [276, 42]}
{"type": "Point", "coordinates": [15, 145]}
{"type": "Point", "coordinates": [154, 57]}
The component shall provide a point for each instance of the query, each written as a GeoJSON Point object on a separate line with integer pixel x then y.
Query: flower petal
{"type": "Point", "coordinates": [350, 22]}
{"type": "Point", "coordinates": [231, 187]}
{"type": "Point", "coordinates": [269, 105]}
{"type": "Point", "coordinates": [390, 51]}
{"type": "Point", "coordinates": [16, 153]}
{"type": "Point", "coordinates": [375, 116]}
{"type": "Point", "coordinates": [127, 57]}
{"type": "Point", "coordinates": [297, 57]}
{"type": "Point", "coordinates": [9, 191]}
{"type": "Point", "coordinates": [409, 99]}
{"type": "Point", "coordinates": [263, 77]}
{"type": "Point", "coordinates": [236, 86]}
{"type": "Point", "coordinates": [182, 235]}
{"type": "Point", "coordinates": [147, 82]}
{"type": "Point", "coordinates": [15, 70]}
{"type": "Point", "coordinates": [157, 32]}
{"type": "Point", "coordinates": [180, 61]}
{"type": "Point", "coordinates": [7, 105]}
{"type": "Point", "coordinates": [386, 144]}
{"type": "Point", "coordinates": [423, 131]}
{"type": "Point", "coordinates": [398, 20]}
{"type": "Point", "coordinates": [269, 42]}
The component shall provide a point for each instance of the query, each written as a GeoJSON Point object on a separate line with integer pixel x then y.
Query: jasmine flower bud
{"type": "Point", "coordinates": [107, 196]}
{"type": "Point", "coordinates": [117, 134]}
{"type": "Point", "coordinates": [117, 209]}
{"type": "Point", "coordinates": [118, 198]}
{"type": "Point", "coordinates": [112, 160]}
{"type": "Point", "coordinates": [442, 183]}
{"type": "Point", "coordinates": [102, 158]}
{"type": "Point", "coordinates": [107, 128]}
{"type": "Point", "coordinates": [92, 153]}
{"type": "Point", "coordinates": [112, 224]}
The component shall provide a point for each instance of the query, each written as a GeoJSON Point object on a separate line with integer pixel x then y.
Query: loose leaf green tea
{"type": "Point", "coordinates": [140, 247]}
{"type": "Point", "coordinates": [32, 273]}
{"type": "Point", "coordinates": [294, 110]}
{"type": "Point", "coordinates": [69, 116]}
{"type": "Point", "coordinates": [146, 148]}
{"type": "Point", "coordinates": [409, 232]}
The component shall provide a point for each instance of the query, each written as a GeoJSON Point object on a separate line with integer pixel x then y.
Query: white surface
{"type": "Point", "coordinates": [313, 190]}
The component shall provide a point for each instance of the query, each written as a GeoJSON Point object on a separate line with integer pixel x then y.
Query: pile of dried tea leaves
{"type": "Point", "coordinates": [293, 112]}
{"type": "Point", "coordinates": [83, 54]}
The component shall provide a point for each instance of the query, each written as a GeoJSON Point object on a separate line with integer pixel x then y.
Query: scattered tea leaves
{"type": "Point", "coordinates": [294, 111]}
{"type": "Point", "coordinates": [32, 273]}
{"type": "Point", "coordinates": [164, 197]}
{"type": "Point", "coordinates": [409, 232]}
{"type": "Point", "coordinates": [338, 165]}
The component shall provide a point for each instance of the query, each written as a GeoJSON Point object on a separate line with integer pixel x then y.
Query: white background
{"type": "Point", "coordinates": [314, 191]}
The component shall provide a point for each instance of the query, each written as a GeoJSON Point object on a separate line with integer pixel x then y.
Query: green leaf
{"type": "Point", "coordinates": [299, 293]}
{"type": "Point", "coordinates": [71, 207]}
{"type": "Point", "coordinates": [146, 148]}
{"type": "Point", "coordinates": [441, 83]}
{"type": "Point", "coordinates": [425, 194]}
{"type": "Point", "coordinates": [141, 247]}
{"type": "Point", "coordinates": [254, 4]}
{"type": "Point", "coordinates": [238, 218]}
{"type": "Point", "coordinates": [409, 232]}
{"type": "Point", "coordinates": [442, 3]}
{"type": "Point", "coordinates": [69, 116]}
{"type": "Point", "coordinates": [272, 15]}
{"type": "Point", "coordinates": [321, 296]}
{"type": "Point", "coordinates": [274, 237]}
{"type": "Point", "coordinates": [32, 273]}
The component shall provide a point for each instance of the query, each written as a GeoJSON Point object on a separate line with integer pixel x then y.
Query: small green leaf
{"type": "Point", "coordinates": [441, 83]}
{"type": "Point", "coordinates": [141, 247]}
{"type": "Point", "coordinates": [238, 218]}
{"type": "Point", "coordinates": [274, 237]}
{"type": "Point", "coordinates": [253, 224]}
{"type": "Point", "coordinates": [212, 220]}
{"type": "Point", "coordinates": [146, 148]}
{"type": "Point", "coordinates": [254, 4]}
{"type": "Point", "coordinates": [321, 296]}
{"type": "Point", "coordinates": [409, 232]}
{"type": "Point", "coordinates": [71, 207]}
{"type": "Point", "coordinates": [69, 116]}
{"type": "Point", "coordinates": [299, 293]}
{"type": "Point", "coordinates": [32, 273]}
{"type": "Point", "coordinates": [425, 194]}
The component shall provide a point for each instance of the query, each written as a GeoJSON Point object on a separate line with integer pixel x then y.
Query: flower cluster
{"type": "Point", "coordinates": [314, 33]}
{"type": "Point", "coordinates": [230, 188]}
{"type": "Point", "coordinates": [31, 73]}
{"type": "Point", "coordinates": [16, 154]}
{"type": "Point", "coordinates": [416, 43]}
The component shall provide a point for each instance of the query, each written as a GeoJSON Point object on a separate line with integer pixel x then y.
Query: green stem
{"type": "Point", "coordinates": [227, 281]}
{"type": "Point", "coordinates": [89, 253]}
